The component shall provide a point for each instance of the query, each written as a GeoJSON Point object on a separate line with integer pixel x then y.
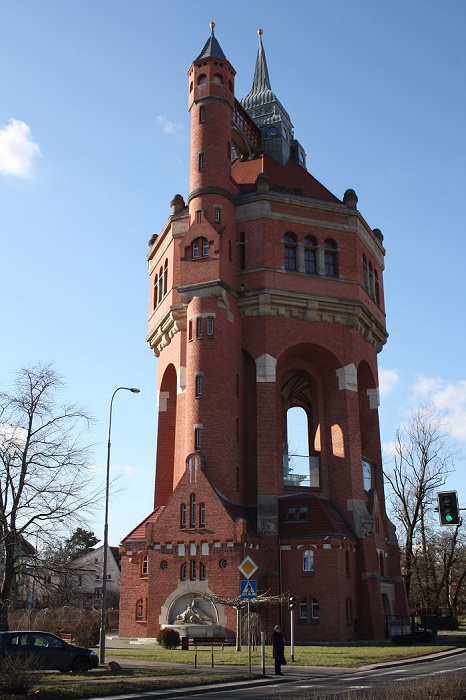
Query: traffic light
{"type": "Point", "coordinates": [291, 602]}
{"type": "Point", "coordinates": [448, 507]}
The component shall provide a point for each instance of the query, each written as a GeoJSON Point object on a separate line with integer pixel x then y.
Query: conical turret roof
{"type": "Point", "coordinates": [212, 48]}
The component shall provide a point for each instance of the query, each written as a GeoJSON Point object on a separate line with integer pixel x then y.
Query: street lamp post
{"type": "Point", "coordinates": [105, 560]}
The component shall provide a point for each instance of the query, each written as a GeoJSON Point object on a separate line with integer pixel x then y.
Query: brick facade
{"type": "Point", "coordinates": [266, 294]}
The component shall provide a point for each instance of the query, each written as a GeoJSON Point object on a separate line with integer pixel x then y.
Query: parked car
{"type": "Point", "coordinates": [51, 652]}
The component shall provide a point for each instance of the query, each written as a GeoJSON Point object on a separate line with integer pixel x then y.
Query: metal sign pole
{"type": "Point", "coordinates": [263, 652]}
{"type": "Point", "coordinates": [292, 633]}
{"type": "Point", "coordinates": [249, 635]}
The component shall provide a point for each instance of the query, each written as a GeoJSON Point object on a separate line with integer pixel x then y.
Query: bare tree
{"type": "Point", "coordinates": [44, 477]}
{"type": "Point", "coordinates": [423, 459]}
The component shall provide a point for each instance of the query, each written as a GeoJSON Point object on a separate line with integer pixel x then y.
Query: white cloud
{"type": "Point", "coordinates": [446, 396]}
{"type": "Point", "coordinates": [388, 379]}
{"type": "Point", "coordinates": [17, 150]}
{"type": "Point", "coordinates": [172, 128]}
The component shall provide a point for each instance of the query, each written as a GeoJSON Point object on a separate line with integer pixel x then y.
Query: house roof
{"type": "Point", "coordinates": [138, 534]}
{"type": "Point", "coordinates": [291, 178]}
{"type": "Point", "coordinates": [238, 510]}
{"type": "Point", "coordinates": [323, 518]}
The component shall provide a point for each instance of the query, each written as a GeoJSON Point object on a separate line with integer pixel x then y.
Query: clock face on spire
{"type": "Point", "coordinates": [271, 131]}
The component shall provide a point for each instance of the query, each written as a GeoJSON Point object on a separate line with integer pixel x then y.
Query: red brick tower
{"type": "Point", "coordinates": [266, 295]}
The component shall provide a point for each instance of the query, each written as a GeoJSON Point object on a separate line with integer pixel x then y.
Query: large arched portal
{"type": "Point", "coordinates": [301, 443]}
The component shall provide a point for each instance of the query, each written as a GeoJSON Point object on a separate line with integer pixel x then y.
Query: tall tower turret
{"type": "Point", "coordinates": [266, 299]}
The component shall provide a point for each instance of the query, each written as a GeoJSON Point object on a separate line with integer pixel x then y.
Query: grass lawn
{"type": "Point", "coordinates": [347, 656]}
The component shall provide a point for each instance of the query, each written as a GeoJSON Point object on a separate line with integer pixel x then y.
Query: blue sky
{"type": "Point", "coordinates": [94, 143]}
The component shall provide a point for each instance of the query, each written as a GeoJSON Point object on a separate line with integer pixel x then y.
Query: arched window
{"type": "Point", "coordinates": [183, 572]}
{"type": "Point", "coordinates": [349, 610]}
{"type": "Point", "coordinates": [291, 247]}
{"type": "Point", "coordinates": [156, 285]}
{"type": "Point", "coordinates": [330, 258]}
{"type": "Point", "coordinates": [366, 273]}
{"type": "Point", "coordinates": [202, 80]}
{"type": "Point", "coordinates": [192, 519]}
{"type": "Point", "coordinates": [308, 560]}
{"type": "Point", "coordinates": [377, 287]}
{"type": "Point", "coordinates": [139, 609]}
{"type": "Point", "coordinates": [303, 609]}
{"type": "Point", "coordinates": [192, 570]}
{"type": "Point", "coordinates": [347, 563]}
{"type": "Point", "coordinates": [201, 514]}
{"type": "Point", "coordinates": [310, 255]}
{"type": "Point", "coordinates": [381, 564]}
{"type": "Point", "coordinates": [371, 281]}
{"type": "Point", "coordinates": [202, 571]}
{"type": "Point", "coordinates": [183, 515]}
{"type": "Point", "coordinates": [217, 79]}
{"type": "Point", "coordinates": [300, 466]}
{"type": "Point", "coordinates": [145, 566]}
{"type": "Point", "coordinates": [315, 609]}
{"type": "Point", "coordinates": [165, 277]}
{"type": "Point", "coordinates": [201, 114]}
{"type": "Point", "coordinates": [200, 247]}
{"type": "Point", "coordinates": [230, 86]}
{"type": "Point", "coordinates": [160, 284]}
{"type": "Point", "coordinates": [242, 251]}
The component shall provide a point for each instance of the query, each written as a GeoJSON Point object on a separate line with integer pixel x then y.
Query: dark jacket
{"type": "Point", "coordinates": [278, 645]}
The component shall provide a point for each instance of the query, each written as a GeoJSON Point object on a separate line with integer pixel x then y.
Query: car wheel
{"type": "Point", "coordinates": [80, 665]}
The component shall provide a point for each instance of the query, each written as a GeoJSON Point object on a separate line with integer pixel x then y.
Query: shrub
{"type": "Point", "coordinates": [168, 638]}
{"type": "Point", "coordinates": [404, 640]}
{"type": "Point", "coordinates": [447, 622]}
{"type": "Point", "coordinates": [17, 676]}
{"type": "Point", "coordinates": [425, 637]}
{"type": "Point", "coordinates": [86, 634]}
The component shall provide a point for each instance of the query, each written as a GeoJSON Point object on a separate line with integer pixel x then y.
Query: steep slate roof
{"type": "Point", "coordinates": [323, 518]}
{"type": "Point", "coordinates": [292, 177]}
{"type": "Point", "coordinates": [212, 48]}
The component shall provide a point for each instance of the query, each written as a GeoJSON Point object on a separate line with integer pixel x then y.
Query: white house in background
{"type": "Point", "coordinates": [78, 583]}
{"type": "Point", "coordinates": [88, 585]}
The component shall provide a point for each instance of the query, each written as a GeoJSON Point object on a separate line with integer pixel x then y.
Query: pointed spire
{"type": "Point", "coordinates": [261, 80]}
{"type": "Point", "coordinates": [261, 92]}
{"type": "Point", "coordinates": [212, 48]}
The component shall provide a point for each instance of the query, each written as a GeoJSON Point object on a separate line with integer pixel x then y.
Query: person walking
{"type": "Point", "coordinates": [278, 649]}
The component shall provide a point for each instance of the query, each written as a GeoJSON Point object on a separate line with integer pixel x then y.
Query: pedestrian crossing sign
{"type": "Point", "coordinates": [248, 589]}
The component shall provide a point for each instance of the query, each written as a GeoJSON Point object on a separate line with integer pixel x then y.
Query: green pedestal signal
{"type": "Point", "coordinates": [448, 508]}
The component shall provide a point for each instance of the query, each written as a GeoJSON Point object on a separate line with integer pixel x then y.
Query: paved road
{"type": "Point", "coordinates": [303, 681]}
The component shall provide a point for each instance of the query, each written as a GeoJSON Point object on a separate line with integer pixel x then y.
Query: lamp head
{"type": "Point", "coordinates": [135, 391]}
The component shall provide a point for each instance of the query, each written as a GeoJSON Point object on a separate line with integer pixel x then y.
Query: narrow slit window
{"type": "Point", "coordinates": [193, 510]}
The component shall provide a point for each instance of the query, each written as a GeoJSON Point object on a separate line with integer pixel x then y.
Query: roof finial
{"type": "Point", "coordinates": [260, 31]}
{"type": "Point", "coordinates": [212, 25]}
